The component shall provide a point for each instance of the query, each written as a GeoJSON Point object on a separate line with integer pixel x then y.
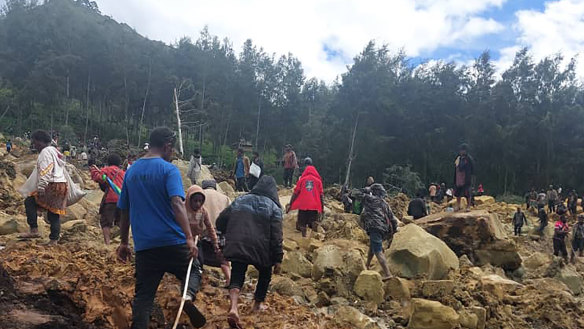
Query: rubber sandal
{"type": "Point", "coordinates": [197, 318]}
{"type": "Point", "coordinates": [27, 236]}
{"type": "Point", "coordinates": [233, 321]}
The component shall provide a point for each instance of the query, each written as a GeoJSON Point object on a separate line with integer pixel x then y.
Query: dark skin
{"type": "Point", "coordinates": [180, 214]}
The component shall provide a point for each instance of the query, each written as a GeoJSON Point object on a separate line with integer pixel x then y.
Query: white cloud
{"type": "Point", "coordinates": [558, 28]}
{"type": "Point", "coordinates": [303, 27]}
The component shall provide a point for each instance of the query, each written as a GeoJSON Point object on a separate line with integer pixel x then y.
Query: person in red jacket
{"type": "Point", "coordinates": [108, 210]}
{"type": "Point", "coordinates": [308, 198]}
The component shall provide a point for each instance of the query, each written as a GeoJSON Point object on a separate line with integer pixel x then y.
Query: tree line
{"type": "Point", "coordinates": [65, 66]}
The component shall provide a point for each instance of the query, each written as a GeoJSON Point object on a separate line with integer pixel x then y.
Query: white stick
{"type": "Point", "coordinates": [184, 296]}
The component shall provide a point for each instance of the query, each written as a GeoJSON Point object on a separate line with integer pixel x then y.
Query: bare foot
{"type": "Point", "coordinates": [259, 307]}
{"type": "Point", "coordinates": [233, 320]}
{"type": "Point", "coordinates": [52, 242]}
{"type": "Point", "coordinates": [30, 235]}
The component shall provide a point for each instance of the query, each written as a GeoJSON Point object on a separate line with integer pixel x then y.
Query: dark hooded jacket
{"type": "Point", "coordinates": [252, 225]}
{"type": "Point", "coordinates": [376, 213]}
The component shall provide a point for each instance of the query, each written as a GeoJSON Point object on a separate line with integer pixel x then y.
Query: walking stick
{"type": "Point", "coordinates": [184, 295]}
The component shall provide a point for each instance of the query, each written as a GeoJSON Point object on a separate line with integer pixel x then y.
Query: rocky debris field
{"type": "Point", "coordinates": [452, 270]}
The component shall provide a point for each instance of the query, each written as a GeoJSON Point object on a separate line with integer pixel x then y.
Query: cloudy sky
{"type": "Point", "coordinates": [327, 34]}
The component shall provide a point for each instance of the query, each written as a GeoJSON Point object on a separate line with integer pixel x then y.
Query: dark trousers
{"type": "Point", "coordinates": [560, 248]}
{"type": "Point", "coordinates": [241, 185]}
{"type": "Point", "coordinates": [517, 229]}
{"type": "Point", "coordinates": [252, 181]}
{"type": "Point", "coordinates": [151, 264]}
{"type": "Point", "coordinates": [542, 225]}
{"type": "Point", "coordinates": [288, 175]}
{"type": "Point", "coordinates": [552, 205]}
{"type": "Point", "coordinates": [238, 278]}
{"type": "Point", "coordinates": [31, 208]}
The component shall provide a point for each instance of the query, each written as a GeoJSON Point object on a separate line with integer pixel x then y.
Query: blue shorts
{"type": "Point", "coordinates": [375, 241]}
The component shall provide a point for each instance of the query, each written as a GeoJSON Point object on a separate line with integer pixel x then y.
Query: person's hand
{"type": "Point", "coordinates": [277, 268]}
{"type": "Point", "coordinates": [217, 249]}
{"type": "Point", "coordinates": [124, 252]}
{"type": "Point", "coordinates": [287, 208]}
{"type": "Point", "coordinates": [193, 250]}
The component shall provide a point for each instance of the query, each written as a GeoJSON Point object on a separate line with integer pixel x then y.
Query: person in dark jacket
{"type": "Point", "coordinates": [252, 225]}
{"type": "Point", "coordinates": [543, 220]}
{"type": "Point", "coordinates": [578, 238]}
{"type": "Point", "coordinates": [573, 203]}
{"type": "Point", "coordinates": [561, 230]}
{"type": "Point", "coordinates": [463, 171]}
{"type": "Point", "coordinates": [518, 220]}
{"type": "Point", "coordinates": [417, 208]}
{"type": "Point", "coordinates": [378, 221]}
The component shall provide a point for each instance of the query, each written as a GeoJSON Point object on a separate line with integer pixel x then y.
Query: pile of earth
{"type": "Point", "coordinates": [452, 270]}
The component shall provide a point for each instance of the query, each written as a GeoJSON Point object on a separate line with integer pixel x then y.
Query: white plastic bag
{"type": "Point", "coordinates": [74, 193]}
{"type": "Point", "coordinates": [255, 170]}
{"type": "Point", "coordinates": [30, 185]}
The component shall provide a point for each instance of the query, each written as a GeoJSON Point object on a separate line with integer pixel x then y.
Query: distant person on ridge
{"type": "Point", "coordinates": [108, 209]}
{"type": "Point", "coordinates": [195, 164]}
{"type": "Point", "coordinates": [51, 189]}
{"type": "Point", "coordinates": [9, 146]}
{"type": "Point", "coordinates": [552, 198]}
{"type": "Point", "coordinates": [152, 202]}
{"type": "Point", "coordinates": [256, 165]}
{"type": "Point", "coordinates": [573, 203]}
{"type": "Point", "coordinates": [578, 238]}
{"type": "Point", "coordinates": [480, 190]}
{"type": "Point", "coordinates": [290, 164]}
{"type": "Point", "coordinates": [308, 198]}
{"type": "Point", "coordinates": [252, 225]}
{"type": "Point", "coordinates": [541, 199]}
{"type": "Point", "coordinates": [417, 207]}
{"type": "Point", "coordinates": [518, 220]}
{"type": "Point", "coordinates": [378, 221]}
{"type": "Point", "coordinates": [543, 220]}
{"type": "Point", "coordinates": [463, 171]}
{"type": "Point", "coordinates": [561, 231]}
{"type": "Point", "coordinates": [241, 171]}
{"type": "Point", "coordinates": [432, 190]}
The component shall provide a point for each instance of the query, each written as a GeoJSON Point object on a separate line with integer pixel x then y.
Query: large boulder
{"type": "Point", "coordinates": [478, 234]}
{"type": "Point", "coordinates": [286, 287]}
{"type": "Point", "coordinates": [484, 200]}
{"type": "Point", "coordinates": [335, 269]}
{"type": "Point", "coordinates": [369, 286]}
{"type": "Point", "coordinates": [498, 285]}
{"type": "Point", "coordinates": [227, 189]}
{"type": "Point", "coordinates": [294, 262]}
{"type": "Point", "coordinates": [416, 253]}
{"type": "Point", "coordinates": [429, 314]}
{"type": "Point", "coordinates": [344, 226]}
{"type": "Point", "coordinates": [11, 225]}
{"type": "Point", "coordinates": [74, 212]}
{"type": "Point", "coordinates": [572, 279]}
{"type": "Point", "coordinates": [349, 315]}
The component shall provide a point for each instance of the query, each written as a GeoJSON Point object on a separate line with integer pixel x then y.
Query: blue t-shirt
{"type": "Point", "coordinates": [148, 187]}
{"type": "Point", "coordinates": [239, 168]}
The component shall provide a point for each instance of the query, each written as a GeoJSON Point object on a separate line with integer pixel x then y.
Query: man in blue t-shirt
{"type": "Point", "coordinates": [241, 171]}
{"type": "Point", "coordinates": [152, 203]}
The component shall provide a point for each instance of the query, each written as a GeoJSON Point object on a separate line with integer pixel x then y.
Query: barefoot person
{"type": "Point", "coordinates": [51, 193]}
{"type": "Point", "coordinates": [378, 221]}
{"type": "Point", "coordinates": [252, 225]}
{"type": "Point", "coordinates": [108, 209]}
{"type": "Point", "coordinates": [215, 203]}
{"type": "Point", "coordinates": [152, 202]}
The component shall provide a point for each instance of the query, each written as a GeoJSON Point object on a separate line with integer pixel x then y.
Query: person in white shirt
{"type": "Point", "coordinates": [51, 192]}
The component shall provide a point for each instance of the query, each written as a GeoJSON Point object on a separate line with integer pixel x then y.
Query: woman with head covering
{"type": "Point", "coordinates": [252, 225]}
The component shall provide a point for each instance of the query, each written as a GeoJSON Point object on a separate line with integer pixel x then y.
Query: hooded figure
{"type": "Point", "coordinates": [252, 225]}
{"type": "Point", "coordinates": [201, 224]}
{"type": "Point", "coordinates": [308, 199]}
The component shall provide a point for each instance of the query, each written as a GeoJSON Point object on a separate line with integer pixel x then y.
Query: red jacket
{"type": "Point", "coordinates": [115, 174]}
{"type": "Point", "coordinates": [308, 191]}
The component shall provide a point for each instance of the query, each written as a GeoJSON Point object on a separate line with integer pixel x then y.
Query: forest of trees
{"type": "Point", "coordinates": [66, 67]}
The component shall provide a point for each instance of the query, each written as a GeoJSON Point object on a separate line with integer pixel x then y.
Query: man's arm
{"type": "Point", "coordinates": [180, 216]}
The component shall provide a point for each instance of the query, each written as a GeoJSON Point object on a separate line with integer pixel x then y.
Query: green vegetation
{"type": "Point", "coordinates": [65, 66]}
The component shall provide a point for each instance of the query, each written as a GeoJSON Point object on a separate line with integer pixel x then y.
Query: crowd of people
{"type": "Point", "coordinates": [181, 233]}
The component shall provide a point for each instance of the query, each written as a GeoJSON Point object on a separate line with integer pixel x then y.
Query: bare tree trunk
{"type": "Point", "coordinates": [5, 111]}
{"type": "Point", "coordinates": [144, 104]}
{"type": "Point", "coordinates": [224, 139]}
{"type": "Point", "coordinates": [257, 139]}
{"type": "Point", "coordinates": [68, 103]}
{"type": "Point", "coordinates": [351, 154]}
{"type": "Point", "coordinates": [127, 105]}
{"type": "Point", "coordinates": [180, 140]}
{"type": "Point", "coordinates": [87, 106]}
